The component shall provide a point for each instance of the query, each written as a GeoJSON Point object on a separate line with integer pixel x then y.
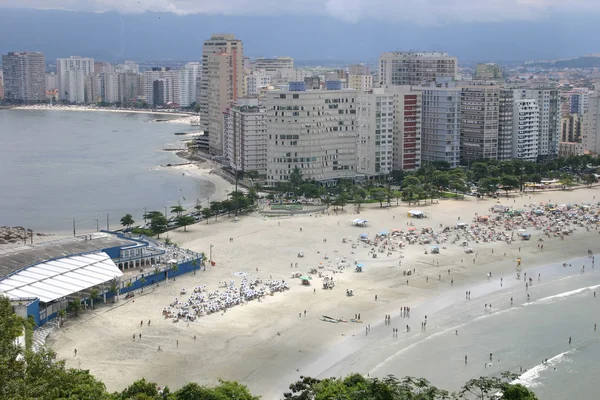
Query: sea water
{"type": "Point", "coordinates": [60, 165]}
{"type": "Point", "coordinates": [521, 335]}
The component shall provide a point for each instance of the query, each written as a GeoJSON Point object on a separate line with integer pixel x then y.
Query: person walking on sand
{"type": "Point", "coordinates": [74, 352]}
{"type": "Point", "coordinates": [140, 336]}
{"type": "Point", "coordinates": [465, 359]}
{"type": "Point", "coordinates": [177, 342]}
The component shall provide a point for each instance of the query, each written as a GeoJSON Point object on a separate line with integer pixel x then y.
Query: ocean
{"type": "Point", "coordinates": [520, 336]}
{"type": "Point", "coordinates": [60, 165]}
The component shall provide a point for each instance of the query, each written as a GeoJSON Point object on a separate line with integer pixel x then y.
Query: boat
{"type": "Point", "coordinates": [330, 320]}
{"type": "Point", "coordinates": [180, 133]}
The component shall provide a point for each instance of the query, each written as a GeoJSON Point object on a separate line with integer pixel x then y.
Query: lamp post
{"type": "Point", "coordinates": [97, 225]}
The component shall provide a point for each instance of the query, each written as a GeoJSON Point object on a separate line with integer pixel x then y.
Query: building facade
{"type": "Point", "coordinates": [222, 58]}
{"type": "Point", "coordinates": [412, 68]}
{"type": "Point", "coordinates": [245, 138]}
{"type": "Point", "coordinates": [375, 132]}
{"type": "Point", "coordinates": [488, 71]}
{"type": "Point", "coordinates": [440, 123]}
{"type": "Point", "coordinates": [479, 109]}
{"type": "Point", "coordinates": [361, 83]}
{"type": "Point", "coordinates": [24, 77]}
{"type": "Point", "coordinates": [71, 74]}
{"type": "Point", "coordinates": [505, 124]}
{"type": "Point", "coordinates": [591, 125]}
{"type": "Point", "coordinates": [313, 130]}
{"type": "Point", "coordinates": [256, 81]}
{"type": "Point", "coordinates": [570, 128]}
{"type": "Point", "coordinates": [277, 67]}
{"type": "Point", "coordinates": [188, 76]}
{"type": "Point", "coordinates": [526, 127]}
{"type": "Point", "coordinates": [170, 86]}
{"type": "Point", "coordinates": [407, 128]}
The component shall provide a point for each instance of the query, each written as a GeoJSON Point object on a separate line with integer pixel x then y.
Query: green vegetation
{"type": "Point", "coordinates": [158, 223]}
{"type": "Point", "coordinates": [185, 220]}
{"type": "Point", "coordinates": [25, 374]}
{"type": "Point", "coordinates": [127, 221]}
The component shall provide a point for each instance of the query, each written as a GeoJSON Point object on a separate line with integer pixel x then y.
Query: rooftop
{"type": "Point", "coordinates": [14, 259]}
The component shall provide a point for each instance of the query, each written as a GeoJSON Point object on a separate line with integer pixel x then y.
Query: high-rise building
{"type": "Point", "coordinates": [591, 125]}
{"type": "Point", "coordinates": [275, 67]}
{"type": "Point", "coordinates": [359, 69]}
{"type": "Point", "coordinates": [101, 67]}
{"type": "Point", "coordinates": [109, 87]}
{"type": "Point", "coordinates": [51, 81]}
{"type": "Point", "coordinates": [314, 130]}
{"type": "Point", "coordinates": [24, 77]}
{"type": "Point", "coordinates": [479, 109]}
{"type": "Point", "coordinates": [159, 90]}
{"type": "Point", "coordinates": [411, 68]}
{"type": "Point", "coordinates": [128, 66]}
{"type": "Point", "coordinates": [92, 89]}
{"type": "Point", "coordinates": [170, 86]}
{"type": "Point", "coordinates": [570, 128]}
{"type": "Point", "coordinates": [578, 100]}
{"type": "Point", "coordinates": [71, 74]}
{"type": "Point", "coordinates": [361, 83]}
{"type": "Point", "coordinates": [407, 127]}
{"type": "Point", "coordinates": [548, 100]}
{"type": "Point", "coordinates": [188, 83]}
{"type": "Point", "coordinates": [245, 138]}
{"type": "Point", "coordinates": [488, 71]}
{"type": "Point", "coordinates": [222, 58]}
{"type": "Point", "coordinates": [312, 83]}
{"type": "Point", "coordinates": [1, 85]}
{"type": "Point", "coordinates": [526, 123]}
{"type": "Point", "coordinates": [440, 122]}
{"type": "Point", "coordinates": [256, 81]}
{"type": "Point", "coordinates": [131, 87]}
{"type": "Point", "coordinates": [375, 132]}
{"type": "Point", "coordinates": [505, 124]}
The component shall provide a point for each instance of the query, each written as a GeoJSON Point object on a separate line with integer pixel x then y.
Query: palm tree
{"type": "Point", "coordinates": [178, 209]}
{"type": "Point", "coordinates": [93, 296]}
{"type": "Point", "coordinates": [114, 289]}
{"type": "Point", "coordinates": [62, 315]}
{"type": "Point", "coordinates": [143, 281]}
{"type": "Point", "coordinates": [195, 263]}
{"type": "Point", "coordinates": [129, 285]}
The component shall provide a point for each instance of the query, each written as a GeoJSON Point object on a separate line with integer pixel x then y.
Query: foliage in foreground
{"type": "Point", "coordinates": [26, 375]}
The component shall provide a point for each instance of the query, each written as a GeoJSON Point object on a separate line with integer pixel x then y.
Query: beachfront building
{"type": "Point", "coordinates": [375, 132]}
{"type": "Point", "coordinates": [276, 68]}
{"type": "Point", "coordinates": [71, 74]}
{"type": "Point", "coordinates": [109, 87]}
{"type": "Point", "coordinates": [131, 87]}
{"type": "Point", "coordinates": [407, 128]}
{"type": "Point", "coordinates": [221, 83]}
{"type": "Point", "coordinates": [505, 124]}
{"type": "Point", "coordinates": [526, 129]}
{"type": "Point", "coordinates": [313, 130]}
{"type": "Point", "coordinates": [256, 81]}
{"type": "Point", "coordinates": [479, 109]}
{"type": "Point", "coordinates": [360, 82]}
{"type": "Point", "coordinates": [548, 100]}
{"type": "Point", "coordinates": [440, 122]}
{"type": "Point", "coordinates": [24, 77]}
{"type": "Point", "coordinates": [169, 86]}
{"type": "Point", "coordinates": [591, 125]}
{"type": "Point", "coordinates": [570, 128]}
{"type": "Point", "coordinates": [568, 149]}
{"type": "Point", "coordinates": [188, 77]}
{"type": "Point", "coordinates": [415, 68]}
{"type": "Point", "coordinates": [43, 279]}
{"type": "Point", "coordinates": [245, 138]}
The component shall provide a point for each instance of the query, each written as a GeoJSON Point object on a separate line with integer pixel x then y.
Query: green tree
{"type": "Point", "coordinates": [252, 195]}
{"type": "Point", "coordinates": [74, 307]}
{"type": "Point", "coordinates": [185, 220]}
{"type": "Point", "coordinates": [139, 387]}
{"type": "Point", "coordinates": [114, 288]}
{"type": "Point", "coordinates": [359, 198]}
{"type": "Point", "coordinates": [509, 182]}
{"type": "Point", "coordinates": [566, 181]}
{"type": "Point", "coordinates": [178, 209]}
{"type": "Point", "coordinates": [487, 186]}
{"type": "Point", "coordinates": [590, 179]}
{"type": "Point", "coordinates": [143, 282]}
{"type": "Point", "coordinates": [397, 195]}
{"type": "Point", "coordinates": [152, 214]}
{"type": "Point", "coordinates": [296, 177]}
{"type": "Point", "coordinates": [207, 213]}
{"type": "Point", "coordinates": [480, 170]}
{"type": "Point", "coordinates": [379, 194]}
{"type": "Point", "coordinates": [159, 224]}
{"type": "Point", "coordinates": [94, 293]}
{"type": "Point", "coordinates": [62, 316]}
{"type": "Point", "coordinates": [341, 200]}
{"type": "Point", "coordinates": [127, 221]}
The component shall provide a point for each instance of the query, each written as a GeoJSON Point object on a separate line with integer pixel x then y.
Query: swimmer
{"type": "Point", "coordinates": [569, 339]}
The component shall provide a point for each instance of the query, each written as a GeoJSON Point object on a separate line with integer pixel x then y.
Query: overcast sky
{"type": "Point", "coordinates": [420, 11]}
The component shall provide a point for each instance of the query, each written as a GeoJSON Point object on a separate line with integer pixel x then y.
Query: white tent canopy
{"type": "Point", "coordinates": [52, 280]}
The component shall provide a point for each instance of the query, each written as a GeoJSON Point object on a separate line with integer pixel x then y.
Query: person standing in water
{"type": "Point", "coordinates": [569, 339]}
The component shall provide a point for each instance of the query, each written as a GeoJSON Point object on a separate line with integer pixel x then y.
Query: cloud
{"type": "Point", "coordinates": [419, 11]}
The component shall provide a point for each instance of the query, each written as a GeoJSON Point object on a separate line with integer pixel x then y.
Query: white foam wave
{"type": "Point", "coordinates": [550, 299]}
{"type": "Point", "coordinates": [529, 378]}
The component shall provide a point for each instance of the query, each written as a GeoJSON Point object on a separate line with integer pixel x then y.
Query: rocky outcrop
{"type": "Point", "coordinates": [15, 234]}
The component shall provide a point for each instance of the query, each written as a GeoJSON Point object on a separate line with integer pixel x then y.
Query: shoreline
{"type": "Point", "coordinates": [98, 109]}
{"type": "Point", "coordinates": [267, 345]}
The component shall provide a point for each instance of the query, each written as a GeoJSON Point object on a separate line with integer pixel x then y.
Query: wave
{"type": "Point", "coordinates": [550, 299]}
{"type": "Point", "coordinates": [529, 378]}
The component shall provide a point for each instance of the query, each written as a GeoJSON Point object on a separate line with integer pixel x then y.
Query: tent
{"type": "Point", "coordinates": [415, 214]}
{"type": "Point", "coordinates": [383, 233]}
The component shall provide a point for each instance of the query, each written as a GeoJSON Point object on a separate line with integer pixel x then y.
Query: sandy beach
{"type": "Point", "coordinates": [60, 107]}
{"type": "Point", "coordinates": [269, 344]}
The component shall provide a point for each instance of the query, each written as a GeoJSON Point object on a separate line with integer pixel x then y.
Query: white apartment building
{"type": "Point", "coordinates": [188, 76]}
{"type": "Point", "coordinates": [131, 87]}
{"type": "Point", "coordinates": [361, 83]}
{"type": "Point", "coordinates": [548, 100]}
{"type": "Point", "coordinates": [412, 68]}
{"type": "Point", "coordinates": [277, 68]}
{"type": "Point", "coordinates": [222, 58]}
{"type": "Point", "coordinates": [479, 108]}
{"type": "Point", "coordinates": [23, 76]}
{"type": "Point", "coordinates": [505, 124]}
{"type": "Point", "coordinates": [255, 82]}
{"type": "Point", "coordinates": [359, 69]}
{"type": "Point", "coordinates": [71, 74]}
{"type": "Point", "coordinates": [406, 137]}
{"type": "Point", "coordinates": [375, 132]}
{"type": "Point", "coordinates": [171, 85]}
{"type": "Point", "coordinates": [440, 122]}
{"type": "Point", "coordinates": [128, 66]}
{"type": "Point", "coordinates": [92, 89]}
{"type": "Point", "coordinates": [591, 125]}
{"type": "Point", "coordinates": [245, 138]}
{"type": "Point", "coordinates": [526, 129]}
{"type": "Point", "coordinates": [109, 87]}
{"type": "Point", "coordinates": [313, 130]}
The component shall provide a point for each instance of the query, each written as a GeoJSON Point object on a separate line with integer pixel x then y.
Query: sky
{"type": "Point", "coordinates": [353, 30]}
